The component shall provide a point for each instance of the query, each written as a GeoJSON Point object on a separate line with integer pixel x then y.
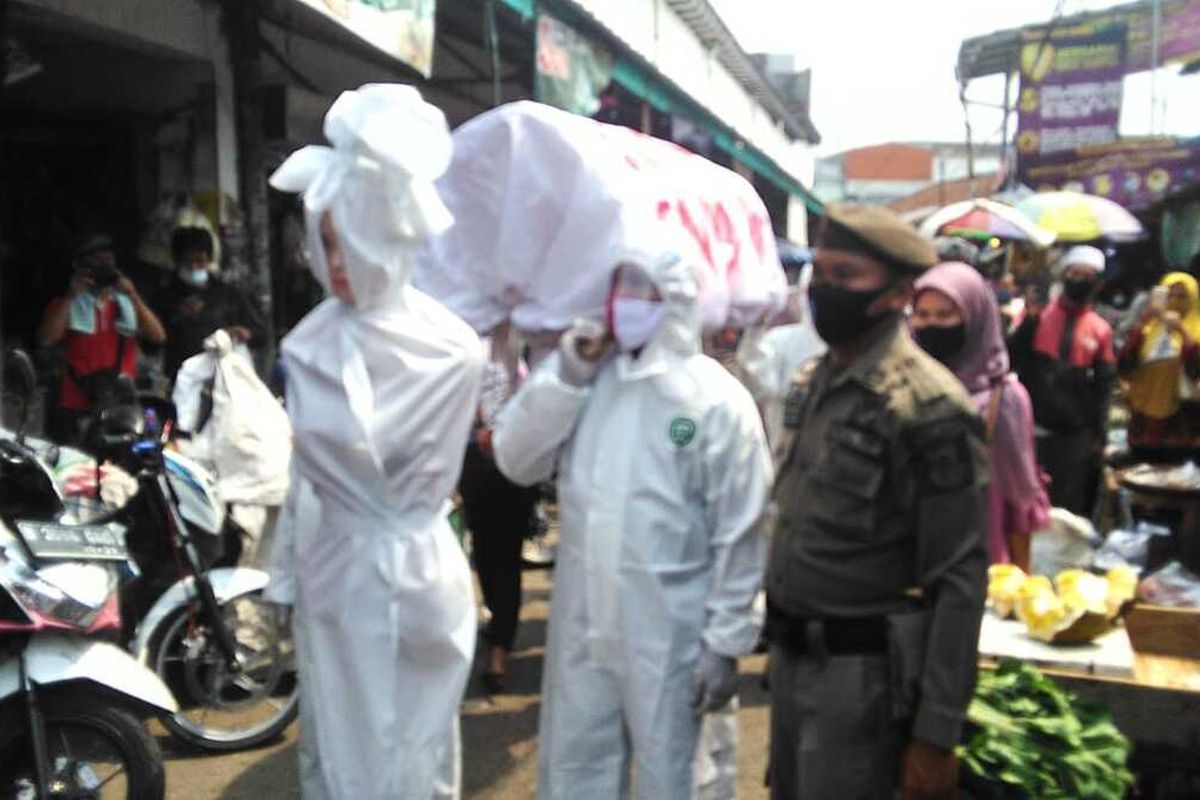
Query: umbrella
{"type": "Point", "coordinates": [985, 219]}
{"type": "Point", "coordinates": [1078, 217]}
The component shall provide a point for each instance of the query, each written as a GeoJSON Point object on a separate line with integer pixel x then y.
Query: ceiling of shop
{"type": "Point", "coordinates": [82, 75]}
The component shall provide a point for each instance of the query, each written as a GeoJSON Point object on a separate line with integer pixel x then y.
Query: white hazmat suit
{"type": "Point", "coordinates": [663, 478]}
{"type": "Point", "coordinates": [770, 358]}
{"type": "Point", "coordinates": [381, 394]}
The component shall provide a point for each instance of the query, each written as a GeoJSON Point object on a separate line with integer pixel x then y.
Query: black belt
{"type": "Point", "coordinates": [839, 636]}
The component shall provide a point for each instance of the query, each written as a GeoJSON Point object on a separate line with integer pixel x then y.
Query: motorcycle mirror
{"type": "Point", "coordinates": [162, 411]}
{"type": "Point", "coordinates": [20, 375]}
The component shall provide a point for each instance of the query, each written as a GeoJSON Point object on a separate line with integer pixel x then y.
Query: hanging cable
{"type": "Point", "coordinates": [493, 40]}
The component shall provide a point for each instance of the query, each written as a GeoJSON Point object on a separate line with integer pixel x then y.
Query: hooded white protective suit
{"type": "Point", "coordinates": [770, 357]}
{"type": "Point", "coordinates": [381, 395]}
{"type": "Point", "coordinates": [663, 477]}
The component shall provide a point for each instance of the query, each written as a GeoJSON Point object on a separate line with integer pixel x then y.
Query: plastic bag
{"type": "Point", "coordinates": [1129, 548]}
{"type": "Point", "coordinates": [714, 769]}
{"type": "Point", "coordinates": [1174, 585]}
{"type": "Point", "coordinates": [248, 438]}
{"type": "Point", "coordinates": [1069, 542]}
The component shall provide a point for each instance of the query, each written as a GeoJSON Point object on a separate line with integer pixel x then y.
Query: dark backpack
{"type": "Point", "coordinates": [106, 387]}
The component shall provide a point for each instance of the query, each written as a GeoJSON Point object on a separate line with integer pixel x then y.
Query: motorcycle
{"type": "Point", "coordinates": [191, 615]}
{"type": "Point", "coordinates": [71, 705]}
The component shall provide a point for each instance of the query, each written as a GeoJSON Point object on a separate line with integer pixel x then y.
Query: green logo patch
{"type": "Point", "coordinates": [683, 430]}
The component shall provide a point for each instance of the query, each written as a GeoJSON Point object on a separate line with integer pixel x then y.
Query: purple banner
{"type": "Point", "coordinates": [1070, 94]}
{"type": "Point", "coordinates": [1178, 33]}
{"type": "Point", "coordinates": [1135, 173]}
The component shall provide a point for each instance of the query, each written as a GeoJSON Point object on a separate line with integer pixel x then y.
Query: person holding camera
{"type": "Point", "coordinates": [97, 321]}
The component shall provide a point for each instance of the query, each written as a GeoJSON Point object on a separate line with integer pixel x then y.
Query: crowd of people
{"type": "Point", "coordinates": [860, 458]}
{"type": "Point", "coordinates": [102, 327]}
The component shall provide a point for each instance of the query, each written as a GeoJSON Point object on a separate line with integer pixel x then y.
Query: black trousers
{"type": "Point", "coordinates": [1074, 469]}
{"type": "Point", "coordinates": [498, 512]}
{"type": "Point", "coordinates": [833, 732]}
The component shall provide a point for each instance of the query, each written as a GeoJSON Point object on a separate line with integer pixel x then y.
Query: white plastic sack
{"type": "Point", "coordinates": [248, 438]}
{"type": "Point", "coordinates": [545, 200]}
{"type": "Point", "coordinates": [189, 386]}
{"type": "Point", "coordinates": [714, 770]}
{"type": "Point", "coordinates": [1070, 542]}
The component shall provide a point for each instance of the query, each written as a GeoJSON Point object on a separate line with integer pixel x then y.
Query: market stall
{"type": "Point", "coordinates": [1105, 641]}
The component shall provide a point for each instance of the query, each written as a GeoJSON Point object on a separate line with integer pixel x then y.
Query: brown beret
{"type": "Point", "coordinates": [877, 232]}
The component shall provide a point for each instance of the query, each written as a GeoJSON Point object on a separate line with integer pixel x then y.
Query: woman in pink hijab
{"type": "Point", "coordinates": [956, 320]}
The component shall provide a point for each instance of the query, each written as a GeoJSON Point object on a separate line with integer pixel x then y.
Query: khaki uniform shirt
{"type": "Point", "coordinates": [881, 496]}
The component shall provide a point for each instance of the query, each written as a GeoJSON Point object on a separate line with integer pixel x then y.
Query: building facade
{"type": "Point", "coordinates": [118, 114]}
{"type": "Point", "coordinates": [885, 173]}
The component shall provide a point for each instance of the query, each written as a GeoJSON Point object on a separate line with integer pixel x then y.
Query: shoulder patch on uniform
{"type": "Point", "coordinates": [793, 404]}
{"type": "Point", "coordinates": [805, 373]}
{"type": "Point", "coordinates": [942, 455]}
{"type": "Point", "coordinates": [682, 431]}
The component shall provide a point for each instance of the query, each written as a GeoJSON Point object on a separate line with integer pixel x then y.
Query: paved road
{"type": "Point", "coordinates": [499, 735]}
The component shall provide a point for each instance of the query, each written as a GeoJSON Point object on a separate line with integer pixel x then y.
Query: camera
{"type": "Point", "coordinates": [104, 275]}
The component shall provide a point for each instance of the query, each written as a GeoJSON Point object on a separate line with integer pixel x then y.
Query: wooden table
{"type": "Point", "coordinates": [1185, 501]}
{"type": "Point", "coordinates": [1154, 699]}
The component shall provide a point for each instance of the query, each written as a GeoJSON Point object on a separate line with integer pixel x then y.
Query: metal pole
{"type": "Point", "coordinates": [244, 48]}
{"type": "Point", "coordinates": [3, 77]}
{"type": "Point", "coordinates": [1006, 151]}
{"type": "Point", "coordinates": [962, 96]}
{"type": "Point", "coordinates": [1155, 35]}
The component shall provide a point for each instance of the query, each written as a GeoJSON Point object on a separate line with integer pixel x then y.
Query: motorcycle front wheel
{"type": "Point", "coordinates": [97, 751]}
{"type": "Point", "coordinates": [222, 709]}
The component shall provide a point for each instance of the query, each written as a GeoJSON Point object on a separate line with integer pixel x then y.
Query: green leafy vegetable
{"type": "Point", "coordinates": [1032, 739]}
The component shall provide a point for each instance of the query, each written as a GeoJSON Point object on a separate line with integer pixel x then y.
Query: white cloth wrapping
{"type": "Point", "coordinates": [663, 477]}
{"type": "Point", "coordinates": [381, 395]}
{"type": "Point", "coordinates": [544, 200]}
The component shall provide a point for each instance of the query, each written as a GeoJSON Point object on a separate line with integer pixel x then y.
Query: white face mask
{"type": "Point", "coordinates": [194, 277]}
{"type": "Point", "coordinates": [635, 322]}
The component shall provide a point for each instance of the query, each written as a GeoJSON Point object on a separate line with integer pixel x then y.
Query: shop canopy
{"type": "Point", "coordinates": [641, 79]}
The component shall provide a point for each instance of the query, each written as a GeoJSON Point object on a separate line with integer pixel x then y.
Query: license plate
{"type": "Point", "coordinates": [75, 542]}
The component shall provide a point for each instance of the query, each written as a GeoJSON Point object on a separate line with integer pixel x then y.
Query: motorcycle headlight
{"type": "Point", "coordinates": [41, 591]}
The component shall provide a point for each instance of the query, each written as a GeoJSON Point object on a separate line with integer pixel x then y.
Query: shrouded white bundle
{"type": "Point", "coordinates": [545, 201]}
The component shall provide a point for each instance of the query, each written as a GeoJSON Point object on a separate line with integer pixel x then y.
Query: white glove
{"type": "Point", "coordinates": [582, 351]}
{"type": "Point", "coordinates": [714, 682]}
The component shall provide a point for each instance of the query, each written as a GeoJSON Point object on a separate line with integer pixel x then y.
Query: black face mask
{"type": "Point", "coordinates": [1078, 290]}
{"type": "Point", "coordinates": [943, 342]}
{"type": "Point", "coordinates": [841, 314]}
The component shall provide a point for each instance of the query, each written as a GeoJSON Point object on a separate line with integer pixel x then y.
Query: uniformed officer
{"type": "Point", "coordinates": [877, 575]}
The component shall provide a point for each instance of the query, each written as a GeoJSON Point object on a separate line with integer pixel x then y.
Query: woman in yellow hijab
{"type": "Point", "coordinates": [1161, 364]}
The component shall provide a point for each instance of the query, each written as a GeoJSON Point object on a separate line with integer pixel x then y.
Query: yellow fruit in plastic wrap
{"type": "Point", "coordinates": [1122, 587]}
{"type": "Point", "coordinates": [1031, 603]}
{"type": "Point", "coordinates": [1003, 582]}
{"type": "Point", "coordinates": [1085, 626]}
{"type": "Point", "coordinates": [1033, 586]}
{"type": "Point", "coordinates": [1081, 589]}
{"type": "Point", "coordinates": [1043, 613]}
